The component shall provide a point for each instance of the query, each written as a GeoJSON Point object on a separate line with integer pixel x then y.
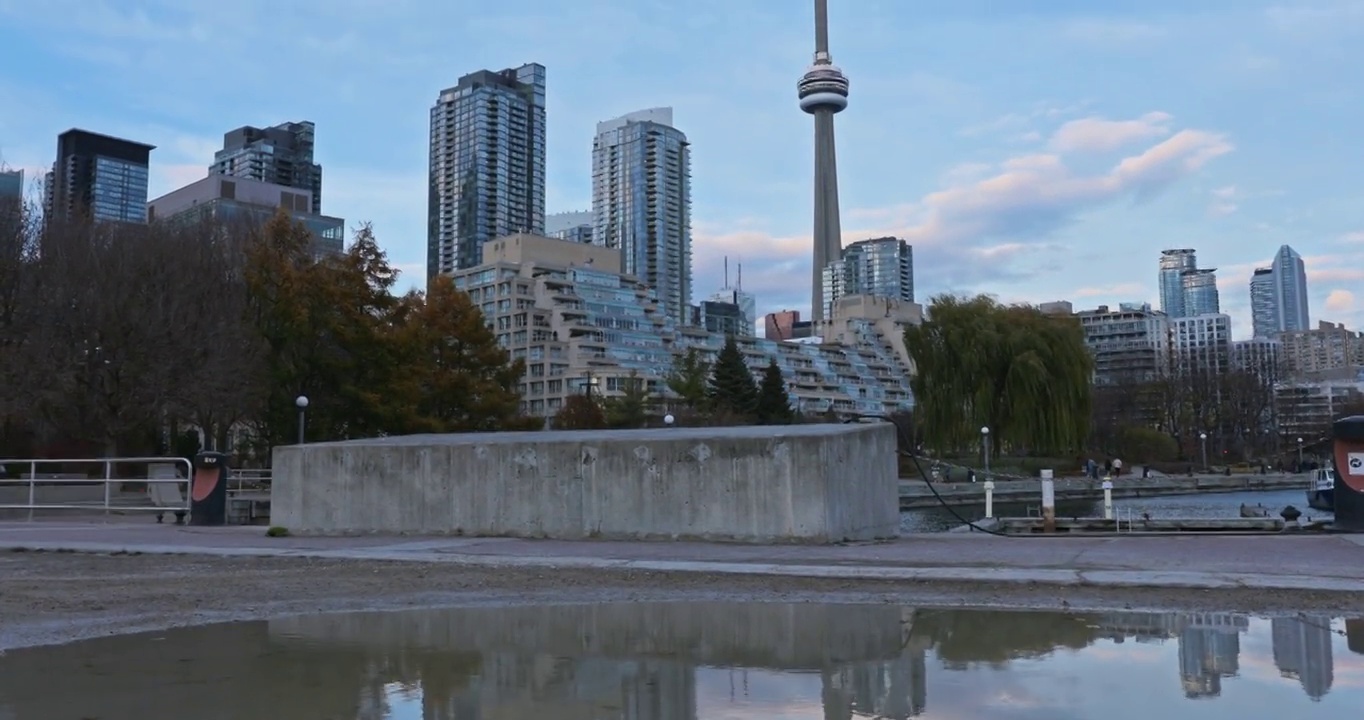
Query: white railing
{"type": "Point", "coordinates": [167, 479]}
{"type": "Point", "coordinates": [240, 479]}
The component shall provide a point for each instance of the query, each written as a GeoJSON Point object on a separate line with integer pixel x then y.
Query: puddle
{"type": "Point", "coordinates": [700, 661]}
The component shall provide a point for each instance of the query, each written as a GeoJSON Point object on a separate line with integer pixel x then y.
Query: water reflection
{"type": "Point", "coordinates": [702, 662]}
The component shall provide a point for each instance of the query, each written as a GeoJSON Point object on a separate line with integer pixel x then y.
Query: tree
{"type": "Point", "coordinates": [773, 406]}
{"type": "Point", "coordinates": [732, 389]}
{"type": "Point", "coordinates": [690, 379]}
{"type": "Point", "coordinates": [1023, 373]}
{"type": "Point", "coordinates": [452, 374]}
{"type": "Point", "coordinates": [580, 412]}
{"type": "Point", "coordinates": [630, 409]}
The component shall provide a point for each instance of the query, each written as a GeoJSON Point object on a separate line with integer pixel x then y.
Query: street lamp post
{"type": "Point", "coordinates": [985, 446]}
{"type": "Point", "coordinates": [1204, 438]}
{"type": "Point", "coordinates": [1299, 454]}
{"type": "Point", "coordinates": [301, 402]}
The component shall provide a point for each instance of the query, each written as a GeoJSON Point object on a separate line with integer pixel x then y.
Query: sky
{"type": "Point", "coordinates": [1034, 150]}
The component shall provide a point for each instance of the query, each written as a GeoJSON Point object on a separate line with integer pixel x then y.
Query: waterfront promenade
{"type": "Point", "coordinates": [1281, 562]}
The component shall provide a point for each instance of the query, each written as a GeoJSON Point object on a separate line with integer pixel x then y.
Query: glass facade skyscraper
{"type": "Point", "coordinates": [103, 176]}
{"type": "Point", "coordinates": [881, 267]}
{"type": "Point", "coordinates": [1264, 312]}
{"type": "Point", "coordinates": [11, 184]}
{"type": "Point", "coordinates": [1173, 263]}
{"type": "Point", "coordinates": [487, 165]}
{"type": "Point", "coordinates": [1200, 292]}
{"type": "Point", "coordinates": [641, 199]}
{"type": "Point", "coordinates": [279, 155]}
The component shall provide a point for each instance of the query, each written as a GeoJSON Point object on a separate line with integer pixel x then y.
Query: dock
{"type": "Point", "coordinates": [916, 494]}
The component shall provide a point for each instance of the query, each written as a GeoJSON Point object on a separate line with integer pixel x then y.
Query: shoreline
{"type": "Point", "coordinates": [51, 598]}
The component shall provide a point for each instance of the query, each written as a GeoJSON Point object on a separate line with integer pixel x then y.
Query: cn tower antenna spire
{"type": "Point", "coordinates": [823, 92]}
{"type": "Point", "coordinates": [821, 29]}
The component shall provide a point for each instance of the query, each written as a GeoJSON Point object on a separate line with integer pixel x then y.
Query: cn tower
{"type": "Point", "coordinates": [824, 91]}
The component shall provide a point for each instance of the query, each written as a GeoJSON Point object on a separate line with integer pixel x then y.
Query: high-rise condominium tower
{"type": "Point", "coordinates": [883, 267]}
{"type": "Point", "coordinates": [641, 202]}
{"type": "Point", "coordinates": [823, 91]}
{"type": "Point", "coordinates": [1264, 312]}
{"type": "Point", "coordinates": [1173, 263]}
{"type": "Point", "coordinates": [279, 155]}
{"type": "Point", "coordinates": [100, 175]}
{"type": "Point", "coordinates": [1278, 295]}
{"type": "Point", "coordinates": [487, 165]}
{"type": "Point", "coordinates": [1200, 292]}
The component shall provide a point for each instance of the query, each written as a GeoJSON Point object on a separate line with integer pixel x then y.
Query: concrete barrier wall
{"type": "Point", "coordinates": [798, 483]}
{"type": "Point", "coordinates": [787, 636]}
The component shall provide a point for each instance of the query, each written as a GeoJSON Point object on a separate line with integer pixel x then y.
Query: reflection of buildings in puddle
{"type": "Point", "coordinates": [1209, 643]}
{"type": "Point", "coordinates": [1302, 650]}
{"type": "Point", "coordinates": [1354, 636]}
{"type": "Point", "coordinates": [1209, 650]}
{"type": "Point", "coordinates": [633, 661]}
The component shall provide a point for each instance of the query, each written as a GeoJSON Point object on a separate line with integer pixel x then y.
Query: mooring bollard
{"type": "Point", "coordinates": [989, 499]}
{"type": "Point", "coordinates": [1108, 499]}
{"type": "Point", "coordinates": [1048, 501]}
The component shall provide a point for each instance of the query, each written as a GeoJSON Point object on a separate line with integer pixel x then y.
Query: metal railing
{"type": "Point", "coordinates": [41, 488]}
{"type": "Point", "coordinates": [239, 479]}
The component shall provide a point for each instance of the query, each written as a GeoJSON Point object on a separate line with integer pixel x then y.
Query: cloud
{"type": "Point", "coordinates": [984, 229]}
{"type": "Point", "coordinates": [1353, 237]}
{"type": "Point", "coordinates": [1120, 290]}
{"type": "Point", "coordinates": [1340, 301]}
{"type": "Point", "coordinates": [1109, 33]}
{"type": "Point", "coordinates": [1223, 201]}
{"type": "Point", "coordinates": [1095, 134]}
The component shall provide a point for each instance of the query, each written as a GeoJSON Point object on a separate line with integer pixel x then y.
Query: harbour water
{"type": "Point", "coordinates": [1211, 505]}
{"type": "Point", "coordinates": [708, 661]}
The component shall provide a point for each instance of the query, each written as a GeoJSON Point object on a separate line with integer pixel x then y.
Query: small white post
{"type": "Point", "coordinates": [989, 499]}
{"type": "Point", "coordinates": [1108, 499]}
{"type": "Point", "coordinates": [1048, 501]}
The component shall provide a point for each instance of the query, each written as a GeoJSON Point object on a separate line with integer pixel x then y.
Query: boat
{"type": "Point", "coordinates": [1321, 494]}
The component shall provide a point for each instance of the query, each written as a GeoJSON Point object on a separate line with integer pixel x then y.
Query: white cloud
{"type": "Point", "coordinates": [1340, 301]}
{"type": "Point", "coordinates": [1095, 134]}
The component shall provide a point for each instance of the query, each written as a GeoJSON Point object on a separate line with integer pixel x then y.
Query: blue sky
{"type": "Point", "coordinates": [1036, 150]}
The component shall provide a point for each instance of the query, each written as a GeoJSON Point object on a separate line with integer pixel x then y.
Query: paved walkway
{"type": "Point", "coordinates": [1303, 562]}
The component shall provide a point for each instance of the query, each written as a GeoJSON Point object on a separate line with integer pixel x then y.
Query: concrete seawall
{"type": "Point", "coordinates": [797, 483]}
{"type": "Point", "coordinates": [787, 636]}
{"type": "Point", "coordinates": [916, 493]}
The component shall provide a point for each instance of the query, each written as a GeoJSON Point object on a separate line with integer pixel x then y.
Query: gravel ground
{"type": "Point", "coordinates": [50, 598]}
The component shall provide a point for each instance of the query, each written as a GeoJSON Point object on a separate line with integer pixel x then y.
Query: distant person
{"type": "Point", "coordinates": [1092, 469]}
{"type": "Point", "coordinates": [1117, 467]}
{"type": "Point", "coordinates": [1108, 467]}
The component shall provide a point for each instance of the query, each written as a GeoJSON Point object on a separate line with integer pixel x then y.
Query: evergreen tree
{"type": "Point", "coordinates": [630, 409]}
{"type": "Point", "coordinates": [690, 379]}
{"type": "Point", "coordinates": [774, 404]}
{"type": "Point", "coordinates": [732, 388]}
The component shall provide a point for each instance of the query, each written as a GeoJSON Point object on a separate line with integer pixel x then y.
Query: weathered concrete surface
{"type": "Point", "coordinates": [786, 636]}
{"type": "Point", "coordinates": [916, 493]}
{"type": "Point", "coordinates": [795, 483]}
{"type": "Point", "coordinates": [1331, 563]}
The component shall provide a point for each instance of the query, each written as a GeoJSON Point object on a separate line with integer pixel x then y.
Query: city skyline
{"type": "Point", "coordinates": [1026, 182]}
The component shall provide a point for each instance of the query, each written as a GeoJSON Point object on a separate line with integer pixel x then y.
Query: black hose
{"type": "Point", "coordinates": [969, 523]}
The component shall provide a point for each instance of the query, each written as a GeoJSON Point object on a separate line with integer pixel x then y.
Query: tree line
{"type": "Point", "coordinates": [112, 333]}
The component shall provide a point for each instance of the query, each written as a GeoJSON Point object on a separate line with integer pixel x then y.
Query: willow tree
{"type": "Point", "coordinates": [1012, 368]}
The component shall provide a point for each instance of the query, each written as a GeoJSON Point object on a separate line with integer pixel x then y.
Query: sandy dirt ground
{"type": "Point", "coordinates": [60, 597]}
